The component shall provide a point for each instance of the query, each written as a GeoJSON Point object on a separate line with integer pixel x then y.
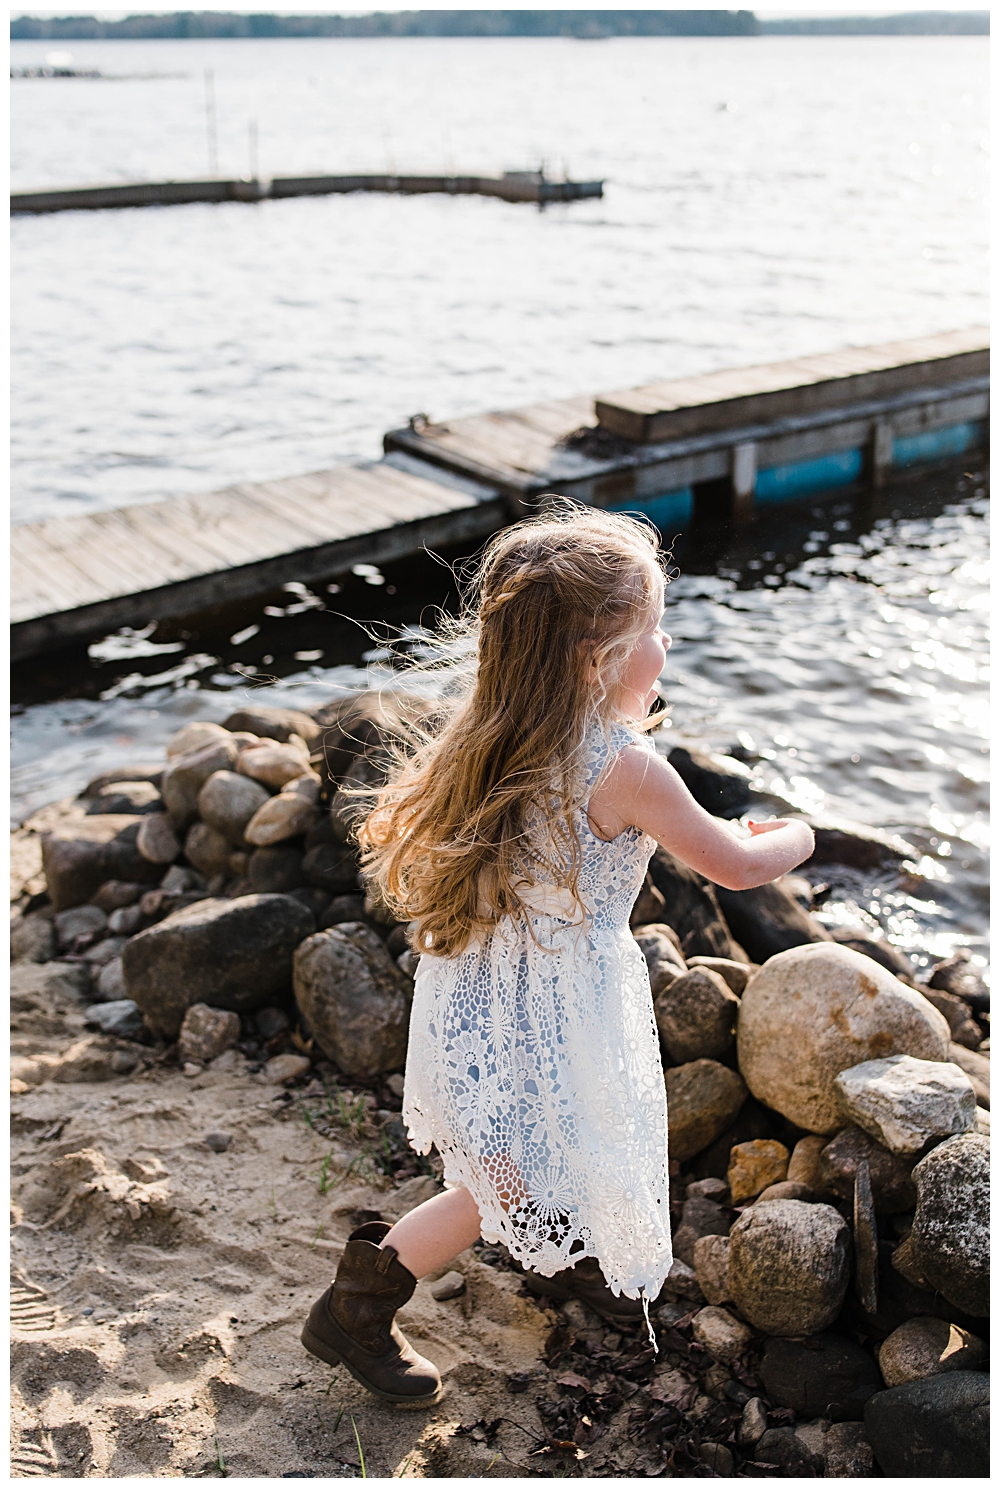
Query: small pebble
{"type": "Point", "coordinates": [123, 1061]}
{"type": "Point", "coordinates": [86, 1311]}
{"type": "Point", "coordinates": [448, 1286]}
{"type": "Point", "coordinates": [612, 1342]}
{"type": "Point", "coordinates": [190, 1070]}
{"type": "Point", "coordinates": [218, 1141]}
{"type": "Point", "coordinates": [287, 1067]}
{"type": "Point", "coordinates": [395, 1083]}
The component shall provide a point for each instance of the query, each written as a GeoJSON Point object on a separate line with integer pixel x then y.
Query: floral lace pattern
{"type": "Point", "coordinates": [534, 1068]}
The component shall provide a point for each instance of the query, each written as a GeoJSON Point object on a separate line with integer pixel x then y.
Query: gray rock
{"type": "Point", "coordinates": [716, 1189]}
{"type": "Point", "coordinates": [663, 959]}
{"type": "Point", "coordinates": [957, 975]}
{"type": "Point", "coordinates": [111, 982]}
{"type": "Point", "coordinates": [841, 1445]}
{"type": "Point", "coordinates": [150, 773]}
{"type": "Point", "coordinates": [682, 1282]}
{"type": "Point", "coordinates": [950, 1238]}
{"type": "Point", "coordinates": [207, 850]}
{"type": "Point", "coordinates": [734, 973]}
{"type": "Point", "coordinates": [33, 938]}
{"type": "Point", "coordinates": [233, 954]}
{"type": "Point", "coordinates": [181, 879]}
{"type": "Point", "coordinates": [782, 1448]}
{"type": "Point", "coordinates": [812, 1012]}
{"type": "Point", "coordinates": [893, 1189]}
{"type": "Point", "coordinates": [649, 905]}
{"type": "Point", "coordinates": [218, 1141]}
{"type": "Point", "coordinates": [354, 998]}
{"type": "Point", "coordinates": [711, 1267]}
{"type": "Point", "coordinates": [865, 1242]}
{"type": "Point", "coordinates": [123, 1019]}
{"type": "Point", "coordinates": [789, 1266]}
{"type": "Point", "coordinates": [932, 1428]}
{"type": "Point", "coordinates": [207, 1032]}
{"type": "Point", "coordinates": [958, 1016]}
{"type": "Point", "coordinates": [125, 921]}
{"type": "Point", "coordinates": [881, 951]}
{"type": "Point", "coordinates": [342, 907]}
{"type": "Point", "coordinates": [79, 856]}
{"type": "Point", "coordinates": [787, 1189]}
{"type": "Point", "coordinates": [125, 798]}
{"type": "Point", "coordinates": [977, 1067]}
{"type": "Point", "coordinates": [700, 1216]}
{"type": "Point", "coordinates": [275, 764]}
{"type": "Point", "coordinates": [703, 1099]}
{"type": "Point", "coordinates": [725, 1337]}
{"type": "Point", "coordinates": [275, 870]}
{"type": "Point", "coordinates": [117, 895]}
{"type": "Point", "coordinates": [184, 777]}
{"type": "Point", "coordinates": [87, 919]}
{"type": "Point", "coordinates": [331, 867]}
{"type": "Point", "coordinates": [228, 801]}
{"type": "Point", "coordinates": [156, 840]}
{"type": "Point", "coordinates": [928, 1345]}
{"type": "Point", "coordinates": [105, 950]}
{"type": "Point", "coordinates": [271, 1021]}
{"type": "Point", "coordinates": [753, 1423]}
{"type": "Point", "coordinates": [858, 846]}
{"type": "Point", "coordinates": [284, 1068]}
{"type": "Point", "coordinates": [767, 920]}
{"type": "Point", "coordinates": [274, 723]}
{"type": "Point", "coordinates": [194, 736]}
{"type": "Point", "coordinates": [696, 1016]}
{"type": "Point", "coordinates": [906, 1103]}
{"type": "Point", "coordinates": [450, 1285]}
{"type": "Point", "coordinates": [825, 1375]}
{"type": "Point", "coordinates": [717, 1457]}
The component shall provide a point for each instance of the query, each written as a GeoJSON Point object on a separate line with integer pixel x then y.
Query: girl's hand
{"type": "Point", "coordinates": [768, 826]}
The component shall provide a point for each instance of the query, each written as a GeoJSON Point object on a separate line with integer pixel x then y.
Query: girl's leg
{"type": "Point", "coordinates": [435, 1232]}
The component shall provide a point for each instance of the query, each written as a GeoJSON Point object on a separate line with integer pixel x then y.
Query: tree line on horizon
{"type": "Point", "coordinates": [582, 24]}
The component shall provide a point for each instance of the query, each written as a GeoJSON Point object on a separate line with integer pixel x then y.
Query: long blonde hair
{"type": "Point", "coordinates": [488, 800]}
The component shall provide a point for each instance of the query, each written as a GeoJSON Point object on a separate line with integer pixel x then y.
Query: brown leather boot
{"type": "Point", "coordinates": [352, 1323]}
{"type": "Point", "coordinates": [584, 1281]}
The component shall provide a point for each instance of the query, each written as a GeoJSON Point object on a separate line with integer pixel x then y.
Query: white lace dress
{"type": "Point", "coordinates": [534, 1068]}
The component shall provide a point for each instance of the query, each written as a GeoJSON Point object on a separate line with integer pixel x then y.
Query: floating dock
{"type": "Point", "coordinates": [512, 186]}
{"type": "Point", "coordinates": [710, 449]}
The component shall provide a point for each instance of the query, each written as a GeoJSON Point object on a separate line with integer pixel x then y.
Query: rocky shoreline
{"type": "Point", "coordinates": [187, 935]}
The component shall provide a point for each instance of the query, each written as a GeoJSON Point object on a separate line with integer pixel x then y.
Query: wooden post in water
{"type": "Point", "coordinates": [744, 478]}
{"type": "Point", "coordinates": [210, 123]}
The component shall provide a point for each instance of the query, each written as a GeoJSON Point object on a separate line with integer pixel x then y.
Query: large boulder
{"type": "Point", "coordinates": [789, 1266]}
{"type": "Point", "coordinates": [703, 1099]}
{"type": "Point", "coordinates": [768, 919]}
{"type": "Point", "coordinates": [893, 1189]}
{"type": "Point", "coordinates": [79, 856]}
{"type": "Point", "coordinates": [818, 1009]}
{"type": "Point", "coordinates": [696, 1015]}
{"type": "Point", "coordinates": [907, 1103]}
{"type": "Point", "coordinates": [932, 1428]}
{"type": "Point", "coordinates": [355, 999]}
{"type": "Point", "coordinates": [826, 1375]}
{"type": "Point", "coordinates": [718, 782]}
{"type": "Point", "coordinates": [275, 870]}
{"type": "Point", "coordinates": [228, 953]}
{"type": "Point", "coordinates": [928, 1345]}
{"type": "Point", "coordinates": [331, 867]}
{"type": "Point", "coordinates": [950, 1239]}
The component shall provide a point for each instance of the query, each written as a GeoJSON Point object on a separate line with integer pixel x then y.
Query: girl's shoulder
{"type": "Point", "coordinates": [605, 741]}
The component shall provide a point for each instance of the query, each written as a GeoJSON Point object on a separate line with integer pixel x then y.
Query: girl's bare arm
{"type": "Point", "coordinates": [642, 790]}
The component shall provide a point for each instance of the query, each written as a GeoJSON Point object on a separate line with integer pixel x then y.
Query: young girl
{"type": "Point", "coordinates": [516, 842]}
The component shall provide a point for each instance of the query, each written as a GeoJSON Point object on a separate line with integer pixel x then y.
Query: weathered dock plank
{"type": "Point", "coordinates": [513, 186]}
{"type": "Point", "coordinates": [76, 575]}
{"type": "Point", "coordinates": [669, 410]}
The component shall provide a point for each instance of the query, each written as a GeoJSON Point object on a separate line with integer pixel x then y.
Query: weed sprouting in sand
{"type": "Point", "coordinates": [361, 1455]}
{"type": "Point", "coordinates": [220, 1460]}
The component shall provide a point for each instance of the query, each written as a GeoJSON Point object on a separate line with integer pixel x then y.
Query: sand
{"type": "Point", "coordinates": [159, 1287]}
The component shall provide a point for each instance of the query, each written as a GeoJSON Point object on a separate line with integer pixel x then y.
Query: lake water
{"type": "Point", "coordinates": [765, 198]}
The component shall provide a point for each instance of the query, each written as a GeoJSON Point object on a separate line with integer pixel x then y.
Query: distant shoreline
{"type": "Point", "coordinates": [592, 25]}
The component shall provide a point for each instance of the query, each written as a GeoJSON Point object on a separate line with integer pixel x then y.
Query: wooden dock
{"type": "Point", "coordinates": [512, 186]}
{"type": "Point", "coordinates": [712, 448]}
{"type": "Point", "coordinates": [857, 413]}
{"type": "Point", "coordinates": [79, 576]}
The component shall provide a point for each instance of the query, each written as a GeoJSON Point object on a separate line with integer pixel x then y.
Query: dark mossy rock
{"type": "Point", "coordinates": [826, 1375]}
{"type": "Point", "coordinates": [79, 856]}
{"type": "Point", "coordinates": [692, 908]}
{"type": "Point", "coordinates": [932, 1428]}
{"type": "Point", "coordinates": [234, 954]}
{"type": "Point", "coordinates": [767, 920]}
